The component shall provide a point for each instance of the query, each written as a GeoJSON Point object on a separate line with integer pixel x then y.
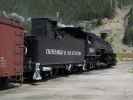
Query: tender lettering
{"type": "Point", "coordinates": [62, 52]}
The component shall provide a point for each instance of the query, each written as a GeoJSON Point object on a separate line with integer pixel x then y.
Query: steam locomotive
{"type": "Point", "coordinates": [51, 49]}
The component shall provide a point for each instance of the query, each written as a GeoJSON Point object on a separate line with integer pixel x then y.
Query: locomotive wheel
{"type": "Point", "coordinates": [108, 61]}
{"type": "Point", "coordinates": [46, 75]}
{"type": "Point", "coordinates": [68, 68]}
{"type": "Point", "coordinates": [55, 73]}
{"type": "Point", "coordinates": [91, 66]}
{"type": "Point", "coordinates": [62, 72]}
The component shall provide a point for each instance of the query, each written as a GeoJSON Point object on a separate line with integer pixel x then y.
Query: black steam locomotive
{"type": "Point", "coordinates": [51, 49]}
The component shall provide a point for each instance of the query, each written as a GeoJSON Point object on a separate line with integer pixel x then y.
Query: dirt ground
{"type": "Point", "coordinates": [108, 84]}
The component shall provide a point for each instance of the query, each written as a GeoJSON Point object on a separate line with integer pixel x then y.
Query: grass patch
{"type": "Point", "coordinates": [120, 57]}
{"type": "Point", "coordinates": [125, 56]}
{"type": "Point", "coordinates": [130, 70]}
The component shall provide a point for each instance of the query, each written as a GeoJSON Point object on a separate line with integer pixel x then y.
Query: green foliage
{"type": "Point", "coordinates": [69, 10]}
{"type": "Point", "coordinates": [130, 70]}
{"type": "Point", "coordinates": [119, 57]}
{"type": "Point", "coordinates": [128, 38]}
{"type": "Point", "coordinates": [124, 2]}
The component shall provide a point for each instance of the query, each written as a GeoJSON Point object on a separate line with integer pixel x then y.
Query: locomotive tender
{"type": "Point", "coordinates": [51, 48]}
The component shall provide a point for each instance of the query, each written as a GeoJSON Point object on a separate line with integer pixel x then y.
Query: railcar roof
{"type": "Point", "coordinates": [11, 22]}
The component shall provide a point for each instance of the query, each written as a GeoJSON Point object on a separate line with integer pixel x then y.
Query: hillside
{"type": "Point", "coordinates": [115, 28]}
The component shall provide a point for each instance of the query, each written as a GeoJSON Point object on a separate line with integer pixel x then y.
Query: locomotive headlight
{"type": "Point", "coordinates": [91, 50]}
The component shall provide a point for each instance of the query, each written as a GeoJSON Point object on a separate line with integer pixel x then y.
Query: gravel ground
{"type": "Point", "coordinates": [108, 84]}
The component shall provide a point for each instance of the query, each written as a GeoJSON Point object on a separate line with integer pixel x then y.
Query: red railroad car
{"type": "Point", "coordinates": [11, 49]}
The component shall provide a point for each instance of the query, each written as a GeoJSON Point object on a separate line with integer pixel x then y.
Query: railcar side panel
{"type": "Point", "coordinates": [11, 50]}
